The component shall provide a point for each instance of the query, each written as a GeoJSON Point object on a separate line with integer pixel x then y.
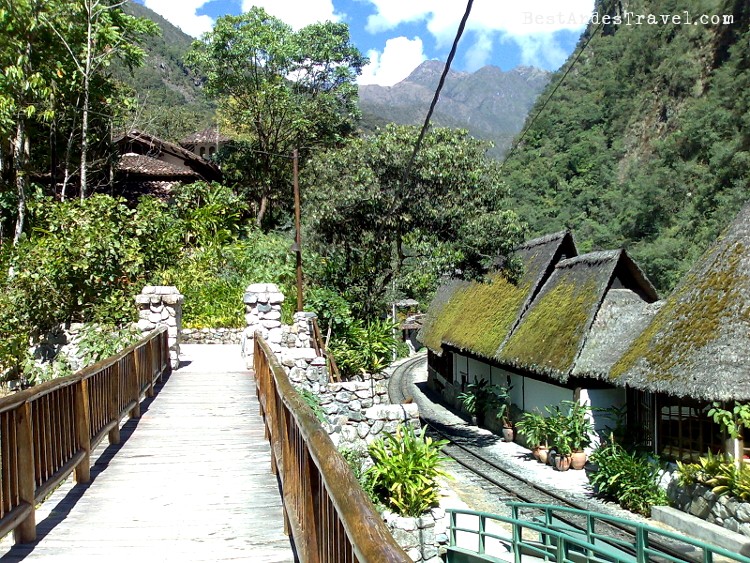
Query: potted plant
{"type": "Point", "coordinates": [580, 430]}
{"type": "Point", "coordinates": [533, 426]}
{"type": "Point", "coordinates": [503, 414]}
{"type": "Point", "coordinates": [481, 396]}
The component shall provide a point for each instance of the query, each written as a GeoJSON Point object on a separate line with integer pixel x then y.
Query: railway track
{"type": "Point", "coordinates": [501, 480]}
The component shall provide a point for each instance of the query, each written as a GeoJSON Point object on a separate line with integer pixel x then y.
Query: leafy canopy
{"type": "Point", "coordinates": [377, 229]}
{"type": "Point", "coordinates": [277, 90]}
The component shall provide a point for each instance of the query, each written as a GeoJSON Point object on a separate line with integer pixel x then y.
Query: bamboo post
{"type": "Point", "coordinates": [113, 403]}
{"type": "Point", "coordinates": [82, 421]}
{"type": "Point", "coordinates": [26, 530]}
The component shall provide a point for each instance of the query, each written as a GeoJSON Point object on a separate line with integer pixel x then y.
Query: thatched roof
{"type": "Point", "coordinates": [620, 319]}
{"type": "Point", "coordinates": [479, 316]}
{"type": "Point", "coordinates": [551, 334]}
{"type": "Point", "coordinates": [698, 344]}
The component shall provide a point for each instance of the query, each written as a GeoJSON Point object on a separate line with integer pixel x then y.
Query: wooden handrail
{"type": "Point", "coordinates": [48, 431]}
{"type": "Point", "coordinates": [331, 518]}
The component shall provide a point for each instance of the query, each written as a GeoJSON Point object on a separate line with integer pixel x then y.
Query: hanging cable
{"type": "Point", "coordinates": [426, 124]}
{"type": "Point", "coordinates": [544, 105]}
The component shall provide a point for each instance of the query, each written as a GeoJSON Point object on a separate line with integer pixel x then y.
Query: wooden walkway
{"type": "Point", "coordinates": [190, 480]}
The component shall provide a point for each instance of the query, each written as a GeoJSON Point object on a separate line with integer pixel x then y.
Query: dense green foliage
{"type": "Point", "coordinates": [630, 479]}
{"type": "Point", "coordinates": [58, 99]}
{"type": "Point", "coordinates": [364, 348]}
{"type": "Point", "coordinates": [722, 474]}
{"type": "Point", "coordinates": [645, 145]}
{"type": "Point", "coordinates": [277, 90]}
{"type": "Point", "coordinates": [405, 471]}
{"type": "Point", "coordinates": [384, 234]}
{"type": "Point", "coordinates": [86, 260]}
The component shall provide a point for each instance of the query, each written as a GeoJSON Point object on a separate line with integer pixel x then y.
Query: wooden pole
{"type": "Point", "coordinates": [26, 531]}
{"type": "Point", "coordinates": [83, 430]}
{"type": "Point", "coordinates": [297, 221]}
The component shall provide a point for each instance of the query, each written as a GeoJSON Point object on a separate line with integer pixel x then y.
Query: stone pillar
{"type": "Point", "coordinates": [162, 305]}
{"type": "Point", "coordinates": [262, 313]}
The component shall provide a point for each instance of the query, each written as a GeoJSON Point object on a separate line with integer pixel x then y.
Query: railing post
{"type": "Point", "coordinates": [26, 530]}
{"type": "Point", "coordinates": [113, 403]}
{"type": "Point", "coordinates": [309, 502]}
{"type": "Point", "coordinates": [82, 421]}
{"type": "Point", "coordinates": [150, 364]}
{"type": "Point", "coordinates": [134, 384]}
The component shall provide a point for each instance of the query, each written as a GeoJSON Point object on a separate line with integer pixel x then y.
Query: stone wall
{"type": "Point", "coordinates": [212, 335]}
{"type": "Point", "coordinates": [262, 313]}
{"type": "Point", "coordinates": [424, 539]}
{"type": "Point", "coordinates": [724, 511]}
{"type": "Point", "coordinates": [162, 305]}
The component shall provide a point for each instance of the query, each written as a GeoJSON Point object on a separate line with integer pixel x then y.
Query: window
{"type": "Point", "coordinates": [685, 430]}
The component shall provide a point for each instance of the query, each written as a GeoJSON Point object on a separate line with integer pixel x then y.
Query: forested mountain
{"type": "Point", "coordinates": [646, 142]}
{"type": "Point", "coordinates": [490, 103]}
{"type": "Point", "coordinates": [170, 101]}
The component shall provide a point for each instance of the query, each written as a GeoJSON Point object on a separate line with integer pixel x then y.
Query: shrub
{"type": "Point", "coordinates": [364, 348]}
{"type": "Point", "coordinates": [405, 471]}
{"type": "Point", "coordinates": [98, 342]}
{"type": "Point", "coordinates": [214, 278]}
{"type": "Point", "coordinates": [719, 472]}
{"type": "Point", "coordinates": [630, 479]}
{"type": "Point", "coordinates": [313, 401]}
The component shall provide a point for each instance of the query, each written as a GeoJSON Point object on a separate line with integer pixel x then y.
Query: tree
{"type": "Point", "coordinates": [278, 90]}
{"type": "Point", "coordinates": [378, 229]}
{"type": "Point", "coordinates": [94, 34]}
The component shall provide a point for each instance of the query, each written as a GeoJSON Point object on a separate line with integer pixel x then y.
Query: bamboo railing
{"type": "Point", "coordinates": [50, 430]}
{"type": "Point", "coordinates": [331, 518]}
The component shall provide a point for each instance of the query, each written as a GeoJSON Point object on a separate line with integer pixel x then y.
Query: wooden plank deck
{"type": "Point", "coordinates": [190, 480]}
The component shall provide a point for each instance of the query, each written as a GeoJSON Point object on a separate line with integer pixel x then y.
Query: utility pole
{"type": "Point", "coordinates": [297, 236]}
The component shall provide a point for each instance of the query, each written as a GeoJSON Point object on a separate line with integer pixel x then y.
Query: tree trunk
{"type": "Point", "coordinates": [262, 210]}
{"type": "Point", "coordinates": [20, 157]}
{"type": "Point", "coordinates": [85, 112]}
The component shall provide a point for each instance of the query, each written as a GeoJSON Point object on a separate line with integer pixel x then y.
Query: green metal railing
{"type": "Point", "coordinates": [554, 540]}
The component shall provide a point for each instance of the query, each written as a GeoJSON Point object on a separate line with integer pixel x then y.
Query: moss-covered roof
{"type": "Point", "coordinates": [698, 344]}
{"type": "Point", "coordinates": [479, 316]}
{"type": "Point", "coordinates": [621, 318]}
{"type": "Point", "coordinates": [552, 332]}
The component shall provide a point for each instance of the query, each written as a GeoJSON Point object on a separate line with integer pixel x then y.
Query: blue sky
{"type": "Point", "coordinates": [397, 35]}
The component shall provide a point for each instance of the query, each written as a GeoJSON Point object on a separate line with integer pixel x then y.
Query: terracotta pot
{"type": "Point", "coordinates": [562, 462]}
{"type": "Point", "coordinates": [578, 460]}
{"type": "Point", "coordinates": [542, 454]}
{"type": "Point", "coordinates": [507, 434]}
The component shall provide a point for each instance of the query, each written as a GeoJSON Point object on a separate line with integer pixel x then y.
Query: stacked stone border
{"type": "Point", "coordinates": [701, 502]}
{"type": "Point", "coordinates": [162, 304]}
{"type": "Point", "coordinates": [212, 335]}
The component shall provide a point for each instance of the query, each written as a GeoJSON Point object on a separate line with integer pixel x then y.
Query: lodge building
{"type": "Point", "coordinates": [591, 328]}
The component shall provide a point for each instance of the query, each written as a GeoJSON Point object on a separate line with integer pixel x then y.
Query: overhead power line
{"type": "Point", "coordinates": [544, 105]}
{"type": "Point", "coordinates": [426, 124]}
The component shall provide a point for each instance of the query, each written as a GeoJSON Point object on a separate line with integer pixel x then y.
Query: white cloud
{"type": "Point", "coordinates": [182, 13]}
{"type": "Point", "coordinates": [296, 13]}
{"type": "Point", "coordinates": [478, 54]}
{"type": "Point", "coordinates": [530, 23]}
{"type": "Point", "coordinates": [399, 57]}
{"type": "Point", "coordinates": [541, 51]}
